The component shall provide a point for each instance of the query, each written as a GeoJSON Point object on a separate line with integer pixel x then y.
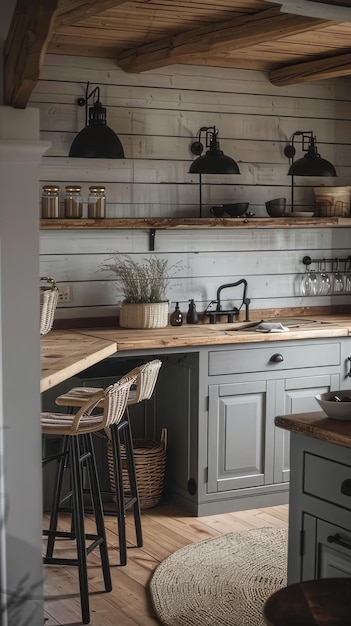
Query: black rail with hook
{"type": "Point", "coordinates": [307, 260]}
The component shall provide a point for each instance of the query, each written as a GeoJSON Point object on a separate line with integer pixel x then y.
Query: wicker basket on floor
{"type": "Point", "coordinates": [150, 466]}
{"type": "Point", "coordinates": [48, 302]}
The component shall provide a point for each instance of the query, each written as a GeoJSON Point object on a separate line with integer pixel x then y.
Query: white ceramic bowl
{"type": "Point", "coordinates": [335, 410]}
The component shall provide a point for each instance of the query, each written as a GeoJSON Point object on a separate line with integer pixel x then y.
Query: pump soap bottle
{"type": "Point", "coordinates": [192, 316]}
{"type": "Point", "coordinates": [176, 318]}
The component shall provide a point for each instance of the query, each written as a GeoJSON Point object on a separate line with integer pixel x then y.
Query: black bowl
{"type": "Point", "coordinates": [233, 210]}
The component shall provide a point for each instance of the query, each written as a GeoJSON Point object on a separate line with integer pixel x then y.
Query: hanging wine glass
{"type": "Point", "coordinates": [325, 284]}
{"type": "Point", "coordinates": [309, 282]}
{"type": "Point", "coordinates": [348, 275]}
{"type": "Point", "coordinates": [338, 278]}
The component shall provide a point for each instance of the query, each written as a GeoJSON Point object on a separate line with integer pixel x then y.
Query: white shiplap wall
{"type": "Point", "coordinates": [156, 115]}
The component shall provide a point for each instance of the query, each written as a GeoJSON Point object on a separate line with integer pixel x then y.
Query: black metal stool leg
{"type": "Point", "coordinates": [128, 442]}
{"type": "Point", "coordinates": [78, 508]}
{"type": "Point", "coordinates": [117, 466]}
{"type": "Point", "coordinates": [61, 463]}
{"type": "Point", "coordinates": [98, 511]}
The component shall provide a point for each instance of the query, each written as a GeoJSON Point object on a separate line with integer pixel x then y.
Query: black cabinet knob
{"type": "Point", "coordinates": [346, 487]}
{"type": "Point", "coordinates": [277, 358]}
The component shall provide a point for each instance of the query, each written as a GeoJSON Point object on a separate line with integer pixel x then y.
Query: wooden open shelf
{"type": "Point", "coordinates": [193, 222]}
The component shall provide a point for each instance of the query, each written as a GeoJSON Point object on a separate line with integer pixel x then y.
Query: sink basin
{"type": "Point", "coordinates": [289, 322]}
{"type": "Point", "coordinates": [292, 322]}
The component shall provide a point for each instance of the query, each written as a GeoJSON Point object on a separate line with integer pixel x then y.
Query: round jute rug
{"type": "Point", "coordinates": [223, 581]}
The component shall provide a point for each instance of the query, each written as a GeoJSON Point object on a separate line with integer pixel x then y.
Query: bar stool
{"type": "Point", "coordinates": [145, 380]}
{"type": "Point", "coordinates": [324, 602]}
{"type": "Point", "coordinates": [77, 451]}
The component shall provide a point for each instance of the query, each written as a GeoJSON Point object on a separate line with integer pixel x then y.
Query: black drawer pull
{"type": "Point", "coordinates": [277, 358]}
{"type": "Point", "coordinates": [346, 487]}
{"type": "Point", "coordinates": [337, 539]}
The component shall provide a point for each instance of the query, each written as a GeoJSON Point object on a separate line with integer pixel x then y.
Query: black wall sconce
{"type": "Point", "coordinates": [311, 164]}
{"type": "Point", "coordinates": [214, 161]}
{"type": "Point", "coordinates": [96, 140]}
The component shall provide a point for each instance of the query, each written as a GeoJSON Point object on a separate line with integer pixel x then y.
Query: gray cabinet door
{"type": "Point", "coordinates": [240, 435]}
{"type": "Point", "coordinates": [327, 552]}
{"type": "Point", "coordinates": [296, 395]}
{"type": "Point", "coordinates": [245, 449]}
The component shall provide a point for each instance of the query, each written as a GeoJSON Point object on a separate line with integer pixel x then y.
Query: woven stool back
{"type": "Point", "coordinates": [114, 400]}
{"type": "Point", "coordinates": [146, 377]}
{"type": "Point", "coordinates": [116, 397]}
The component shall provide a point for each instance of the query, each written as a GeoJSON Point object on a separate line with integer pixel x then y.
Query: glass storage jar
{"type": "Point", "coordinates": [73, 202]}
{"type": "Point", "coordinates": [96, 202]}
{"type": "Point", "coordinates": [50, 201]}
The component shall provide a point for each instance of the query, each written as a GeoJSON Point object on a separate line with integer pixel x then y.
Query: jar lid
{"type": "Point", "coordinates": [50, 188]}
{"type": "Point", "coordinates": [97, 189]}
{"type": "Point", "coordinates": [73, 188]}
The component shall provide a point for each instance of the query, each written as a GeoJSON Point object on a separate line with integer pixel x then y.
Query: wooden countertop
{"type": "Point", "coordinates": [318, 426]}
{"type": "Point", "coordinates": [211, 334]}
{"type": "Point", "coordinates": [64, 353]}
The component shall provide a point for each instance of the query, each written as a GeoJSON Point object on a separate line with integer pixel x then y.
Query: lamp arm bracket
{"type": "Point", "coordinates": [197, 147]}
{"type": "Point", "coordinates": [84, 101]}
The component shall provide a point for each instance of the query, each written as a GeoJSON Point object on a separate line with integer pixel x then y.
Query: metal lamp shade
{"type": "Point", "coordinates": [214, 162]}
{"type": "Point", "coordinates": [97, 140]}
{"type": "Point", "coordinates": [312, 165]}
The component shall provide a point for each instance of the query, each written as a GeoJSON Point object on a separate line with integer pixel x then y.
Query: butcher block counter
{"type": "Point", "coordinates": [227, 333]}
{"type": "Point", "coordinates": [64, 353]}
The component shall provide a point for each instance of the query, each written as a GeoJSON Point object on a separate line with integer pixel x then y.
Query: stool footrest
{"type": "Point", "coordinates": [96, 541]}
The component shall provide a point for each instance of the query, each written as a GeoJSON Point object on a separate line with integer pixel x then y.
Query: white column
{"type": "Point", "coordinates": [20, 437]}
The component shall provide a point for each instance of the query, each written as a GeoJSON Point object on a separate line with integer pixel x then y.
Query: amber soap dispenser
{"type": "Point", "coordinates": [176, 318]}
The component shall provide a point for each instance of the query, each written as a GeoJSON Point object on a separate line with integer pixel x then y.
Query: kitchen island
{"type": "Point", "coordinates": [320, 496]}
{"type": "Point", "coordinates": [219, 390]}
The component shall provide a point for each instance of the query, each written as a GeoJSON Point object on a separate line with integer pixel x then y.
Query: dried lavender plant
{"type": "Point", "coordinates": [140, 282]}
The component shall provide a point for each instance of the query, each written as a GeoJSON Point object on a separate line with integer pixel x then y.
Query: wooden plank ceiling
{"type": "Point", "coordinates": [147, 34]}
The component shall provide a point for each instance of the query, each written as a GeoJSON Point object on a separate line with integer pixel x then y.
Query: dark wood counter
{"type": "Point", "coordinates": [318, 426]}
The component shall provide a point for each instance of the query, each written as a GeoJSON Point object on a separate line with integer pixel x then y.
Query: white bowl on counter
{"type": "Point", "coordinates": [336, 410]}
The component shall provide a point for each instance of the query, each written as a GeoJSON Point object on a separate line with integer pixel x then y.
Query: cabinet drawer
{"type": "Point", "coordinates": [258, 359]}
{"type": "Point", "coordinates": [326, 480]}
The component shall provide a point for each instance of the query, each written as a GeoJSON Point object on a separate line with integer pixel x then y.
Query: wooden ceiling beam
{"type": "Point", "coordinates": [72, 11]}
{"type": "Point", "coordinates": [331, 67]}
{"type": "Point", "coordinates": [25, 48]}
{"type": "Point", "coordinates": [242, 32]}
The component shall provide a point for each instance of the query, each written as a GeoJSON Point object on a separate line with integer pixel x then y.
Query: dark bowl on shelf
{"type": "Point", "coordinates": [276, 208]}
{"type": "Point", "coordinates": [233, 210]}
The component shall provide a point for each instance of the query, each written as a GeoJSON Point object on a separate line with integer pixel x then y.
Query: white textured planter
{"type": "Point", "coordinates": [147, 315]}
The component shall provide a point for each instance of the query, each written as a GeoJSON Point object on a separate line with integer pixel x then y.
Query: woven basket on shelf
{"type": "Point", "coordinates": [332, 201]}
{"type": "Point", "coordinates": [150, 466]}
{"type": "Point", "coordinates": [145, 315]}
{"type": "Point", "coordinates": [48, 302]}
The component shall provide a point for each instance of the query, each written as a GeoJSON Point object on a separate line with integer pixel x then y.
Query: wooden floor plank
{"type": "Point", "coordinates": [165, 529]}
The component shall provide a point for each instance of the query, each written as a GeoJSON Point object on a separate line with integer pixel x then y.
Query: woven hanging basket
{"type": "Point", "coordinates": [48, 302]}
{"type": "Point", "coordinates": [150, 466]}
{"type": "Point", "coordinates": [145, 315]}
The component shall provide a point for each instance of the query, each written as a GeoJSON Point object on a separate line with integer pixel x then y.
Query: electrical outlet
{"type": "Point", "coordinates": [65, 293]}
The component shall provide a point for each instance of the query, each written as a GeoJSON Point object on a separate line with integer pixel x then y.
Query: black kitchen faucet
{"type": "Point", "coordinates": [230, 313]}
